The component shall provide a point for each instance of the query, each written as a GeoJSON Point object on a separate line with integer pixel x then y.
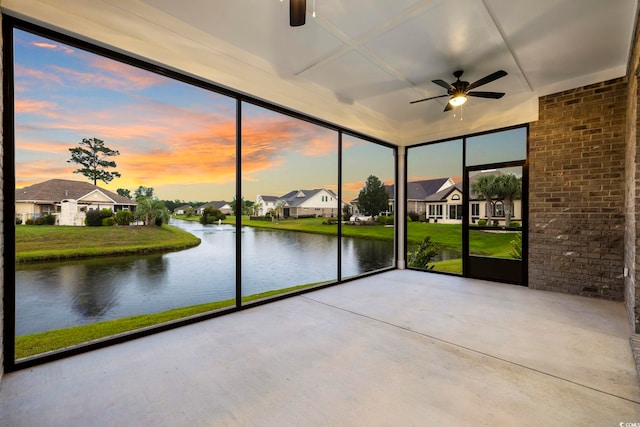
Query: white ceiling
{"type": "Point", "coordinates": [360, 62]}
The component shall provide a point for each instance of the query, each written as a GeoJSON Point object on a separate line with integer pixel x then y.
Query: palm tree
{"type": "Point", "coordinates": [151, 211]}
{"type": "Point", "coordinates": [256, 208]}
{"type": "Point", "coordinates": [279, 208]}
{"type": "Point", "coordinates": [484, 187]}
{"type": "Point", "coordinates": [508, 187]}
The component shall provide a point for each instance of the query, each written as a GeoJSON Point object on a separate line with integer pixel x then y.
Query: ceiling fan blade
{"type": "Point", "coordinates": [297, 12]}
{"type": "Point", "coordinates": [488, 79]}
{"type": "Point", "coordinates": [444, 84]}
{"type": "Point", "coordinates": [492, 95]}
{"type": "Point", "coordinates": [427, 99]}
{"type": "Point", "coordinates": [448, 107]}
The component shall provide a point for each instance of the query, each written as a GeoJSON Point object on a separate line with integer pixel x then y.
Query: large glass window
{"type": "Point", "coordinates": [434, 233]}
{"type": "Point", "coordinates": [289, 182]}
{"type": "Point", "coordinates": [368, 221]}
{"type": "Point", "coordinates": [127, 209]}
{"type": "Point", "coordinates": [104, 248]}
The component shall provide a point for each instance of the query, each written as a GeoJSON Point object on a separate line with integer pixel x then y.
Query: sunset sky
{"type": "Point", "coordinates": [174, 137]}
{"type": "Point", "coordinates": [181, 139]}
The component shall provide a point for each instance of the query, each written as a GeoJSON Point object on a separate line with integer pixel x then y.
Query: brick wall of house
{"type": "Point", "coordinates": [632, 294]}
{"type": "Point", "coordinates": [1, 224]}
{"type": "Point", "coordinates": [576, 186]}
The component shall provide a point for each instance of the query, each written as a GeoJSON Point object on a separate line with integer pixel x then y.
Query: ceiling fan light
{"type": "Point", "coordinates": [458, 100]}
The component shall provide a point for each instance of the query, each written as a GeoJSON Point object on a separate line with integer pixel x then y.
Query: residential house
{"type": "Point", "coordinates": [221, 205]}
{"type": "Point", "coordinates": [265, 204]}
{"type": "Point", "coordinates": [304, 203]}
{"type": "Point", "coordinates": [66, 199]}
{"type": "Point", "coordinates": [445, 206]}
{"type": "Point", "coordinates": [180, 210]}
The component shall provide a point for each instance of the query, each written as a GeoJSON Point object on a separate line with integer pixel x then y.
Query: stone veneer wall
{"type": "Point", "coordinates": [576, 191]}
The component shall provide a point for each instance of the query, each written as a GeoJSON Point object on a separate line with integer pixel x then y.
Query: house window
{"type": "Point", "coordinates": [47, 209]}
{"type": "Point", "coordinates": [475, 209]}
{"type": "Point", "coordinates": [498, 209]}
{"type": "Point", "coordinates": [455, 211]}
{"type": "Point", "coordinates": [435, 211]}
{"type": "Point", "coordinates": [455, 197]}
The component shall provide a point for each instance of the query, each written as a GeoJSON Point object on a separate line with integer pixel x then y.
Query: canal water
{"type": "Point", "coordinates": [62, 294]}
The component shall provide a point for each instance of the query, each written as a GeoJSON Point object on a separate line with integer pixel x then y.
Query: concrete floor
{"type": "Point", "coordinates": [402, 348]}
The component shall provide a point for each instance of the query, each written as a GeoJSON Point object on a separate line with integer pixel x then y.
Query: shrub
{"type": "Point", "coordinates": [108, 222]}
{"type": "Point", "coordinates": [48, 219]}
{"type": "Point", "coordinates": [93, 218]}
{"type": "Point", "coordinates": [482, 222]}
{"type": "Point", "coordinates": [18, 221]}
{"type": "Point", "coordinates": [158, 221]}
{"type": "Point", "coordinates": [426, 251]}
{"type": "Point", "coordinates": [29, 221]}
{"type": "Point", "coordinates": [409, 219]}
{"type": "Point", "coordinates": [346, 213]}
{"type": "Point", "coordinates": [260, 218]}
{"type": "Point", "coordinates": [514, 224]}
{"type": "Point", "coordinates": [211, 215]}
{"type": "Point", "coordinates": [106, 213]}
{"type": "Point", "coordinates": [124, 217]}
{"type": "Point", "coordinates": [415, 216]}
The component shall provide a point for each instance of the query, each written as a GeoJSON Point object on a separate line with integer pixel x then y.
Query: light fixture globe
{"type": "Point", "coordinates": [458, 100]}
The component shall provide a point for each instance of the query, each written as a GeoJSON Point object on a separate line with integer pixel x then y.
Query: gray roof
{"type": "Point", "coordinates": [216, 204]}
{"type": "Point", "coordinates": [56, 190]}
{"type": "Point", "coordinates": [419, 190]}
{"type": "Point", "coordinates": [443, 194]}
{"type": "Point", "coordinates": [269, 198]}
{"type": "Point", "coordinates": [292, 201]}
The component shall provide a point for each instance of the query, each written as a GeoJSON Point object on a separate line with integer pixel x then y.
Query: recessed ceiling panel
{"type": "Point", "coordinates": [443, 37]}
{"type": "Point", "coordinates": [353, 77]}
{"type": "Point", "coordinates": [260, 27]}
{"type": "Point", "coordinates": [564, 40]}
{"type": "Point", "coordinates": [357, 18]}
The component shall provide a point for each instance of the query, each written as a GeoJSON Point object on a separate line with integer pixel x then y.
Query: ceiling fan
{"type": "Point", "coordinates": [297, 12]}
{"type": "Point", "coordinates": [459, 90]}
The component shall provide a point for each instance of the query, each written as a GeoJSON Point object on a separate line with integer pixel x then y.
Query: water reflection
{"type": "Point", "coordinates": [57, 295]}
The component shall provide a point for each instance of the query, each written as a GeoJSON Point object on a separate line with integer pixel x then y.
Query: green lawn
{"type": "Point", "coordinates": [53, 242]}
{"type": "Point", "coordinates": [42, 342]}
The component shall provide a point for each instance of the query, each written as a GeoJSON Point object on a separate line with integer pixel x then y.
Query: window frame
{"type": "Point", "coordinates": [10, 24]}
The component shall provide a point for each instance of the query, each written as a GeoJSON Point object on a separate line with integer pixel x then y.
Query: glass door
{"type": "Point", "coordinates": [494, 247]}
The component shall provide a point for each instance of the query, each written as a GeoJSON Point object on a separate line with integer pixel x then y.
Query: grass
{"type": "Point", "coordinates": [42, 342]}
{"type": "Point", "coordinates": [53, 242]}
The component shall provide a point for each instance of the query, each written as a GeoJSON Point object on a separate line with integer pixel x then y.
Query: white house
{"type": "Point", "coordinates": [221, 205]}
{"type": "Point", "coordinates": [265, 204]}
{"type": "Point", "coordinates": [318, 202]}
{"type": "Point", "coordinates": [180, 210]}
{"type": "Point", "coordinates": [66, 199]}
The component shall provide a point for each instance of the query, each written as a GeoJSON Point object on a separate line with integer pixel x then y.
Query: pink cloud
{"type": "Point", "coordinates": [135, 77]}
{"type": "Point", "coordinates": [30, 77]}
{"type": "Point", "coordinates": [52, 46]}
{"type": "Point", "coordinates": [44, 108]}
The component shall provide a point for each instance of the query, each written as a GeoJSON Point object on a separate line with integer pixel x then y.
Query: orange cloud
{"type": "Point", "coordinates": [35, 171]}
